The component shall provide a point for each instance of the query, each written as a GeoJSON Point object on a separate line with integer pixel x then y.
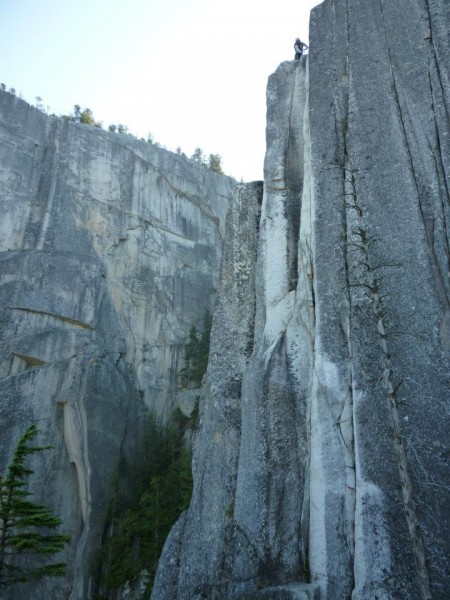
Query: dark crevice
{"type": "Point", "coordinates": [434, 57]}
{"type": "Point", "coordinates": [74, 322]}
{"type": "Point", "coordinates": [258, 191]}
{"type": "Point", "coordinates": [293, 193]}
{"type": "Point", "coordinates": [31, 361]}
{"type": "Point", "coordinates": [347, 430]}
{"type": "Point", "coordinates": [348, 415]}
{"type": "Point", "coordinates": [292, 212]}
{"type": "Point", "coordinates": [435, 96]}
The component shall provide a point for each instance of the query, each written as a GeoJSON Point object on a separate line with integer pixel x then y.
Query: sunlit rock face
{"type": "Point", "coordinates": [109, 252]}
{"type": "Point", "coordinates": [324, 472]}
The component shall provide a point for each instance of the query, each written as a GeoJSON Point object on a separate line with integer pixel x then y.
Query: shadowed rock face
{"type": "Point", "coordinates": [110, 252]}
{"type": "Point", "coordinates": [330, 464]}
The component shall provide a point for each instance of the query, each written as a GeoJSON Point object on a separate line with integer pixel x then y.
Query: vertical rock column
{"type": "Point", "coordinates": [379, 164]}
{"type": "Point", "coordinates": [202, 541]}
{"type": "Point", "coordinates": [270, 502]}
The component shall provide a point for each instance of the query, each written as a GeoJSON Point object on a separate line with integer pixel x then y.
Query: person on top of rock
{"type": "Point", "coordinates": [299, 48]}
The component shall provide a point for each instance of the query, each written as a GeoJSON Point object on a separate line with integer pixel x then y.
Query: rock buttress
{"type": "Point", "coordinates": [197, 561]}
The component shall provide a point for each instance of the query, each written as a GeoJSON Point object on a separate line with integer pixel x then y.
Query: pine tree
{"type": "Point", "coordinates": [140, 522]}
{"type": "Point", "coordinates": [24, 525]}
{"type": "Point", "coordinates": [196, 355]}
{"type": "Point", "coordinates": [203, 347]}
{"type": "Point", "coordinates": [76, 113]}
{"type": "Point", "coordinates": [215, 163]}
{"type": "Point", "coordinates": [187, 374]}
{"type": "Point", "coordinates": [198, 156]}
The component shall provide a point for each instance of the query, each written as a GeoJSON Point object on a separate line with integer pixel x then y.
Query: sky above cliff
{"type": "Point", "coordinates": [190, 72]}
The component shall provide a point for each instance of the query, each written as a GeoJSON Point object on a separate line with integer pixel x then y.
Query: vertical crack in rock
{"type": "Point", "coordinates": [347, 418]}
{"type": "Point", "coordinates": [439, 99]}
{"type": "Point", "coordinates": [432, 49]}
{"type": "Point", "coordinates": [47, 183]}
{"type": "Point", "coordinates": [372, 284]}
{"type": "Point", "coordinates": [293, 160]}
{"type": "Point", "coordinates": [301, 333]}
{"type": "Point", "coordinates": [332, 472]}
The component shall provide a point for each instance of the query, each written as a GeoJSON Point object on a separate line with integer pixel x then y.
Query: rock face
{"type": "Point", "coordinates": [110, 252]}
{"type": "Point", "coordinates": [216, 451]}
{"type": "Point", "coordinates": [321, 463]}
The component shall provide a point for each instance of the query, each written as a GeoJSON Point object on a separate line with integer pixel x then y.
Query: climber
{"type": "Point", "coordinates": [299, 48]}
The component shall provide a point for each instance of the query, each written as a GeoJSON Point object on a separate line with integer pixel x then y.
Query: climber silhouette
{"type": "Point", "coordinates": [299, 48]}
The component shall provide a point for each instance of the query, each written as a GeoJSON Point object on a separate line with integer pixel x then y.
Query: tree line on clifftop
{"type": "Point", "coordinates": [213, 162]}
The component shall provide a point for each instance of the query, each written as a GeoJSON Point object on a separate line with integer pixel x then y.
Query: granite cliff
{"type": "Point", "coordinates": [321, 461]}
{"type": "Point", "coordinates": [110, 251]}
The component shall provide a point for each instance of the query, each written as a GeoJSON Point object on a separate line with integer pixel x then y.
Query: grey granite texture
{"type": "Point", "coordinates": [201, 536]}
{"type": "Point", "coordinates": [331, 463]}
{"type": "Point", "coordinates": [110, 251]}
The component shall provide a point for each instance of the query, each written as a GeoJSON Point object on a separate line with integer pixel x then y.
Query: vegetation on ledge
{"type": "Point", "coordinates": [196, 355]}
{"type": "Point", "coordinates": [86, 116]}
{"type": "Point", "coordinates": [146, 503]}
{"type": "Point", "coordinates": [139, 521]}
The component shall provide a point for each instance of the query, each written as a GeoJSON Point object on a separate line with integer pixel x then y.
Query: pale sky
{"type": "Point", "coordinates": [191, 72]}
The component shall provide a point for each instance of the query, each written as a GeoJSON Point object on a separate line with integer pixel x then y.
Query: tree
{"type": "Point", "coordinates": [198, 156]}
{"type": "Point", "coordinates": [203, 350]}
{"type": "Point", "coordinates": [215, 163]}
{"type": "Point", "coordinates": [76, 113]}
{"type": "Point", "coordinates": [188, 374]}
{"type": "Point", "coordinates": [39, 103]}
{"type": "Point", "coordinates": [87, 117]}
{"type": "Point", "coordinates": [122, 129]}
{"type": "Point", "coordinates": [196, 355]}
{"type": "Point", "coordinates": [142, 514]}
{"type": "Point", "coordinates": [25, 525]}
